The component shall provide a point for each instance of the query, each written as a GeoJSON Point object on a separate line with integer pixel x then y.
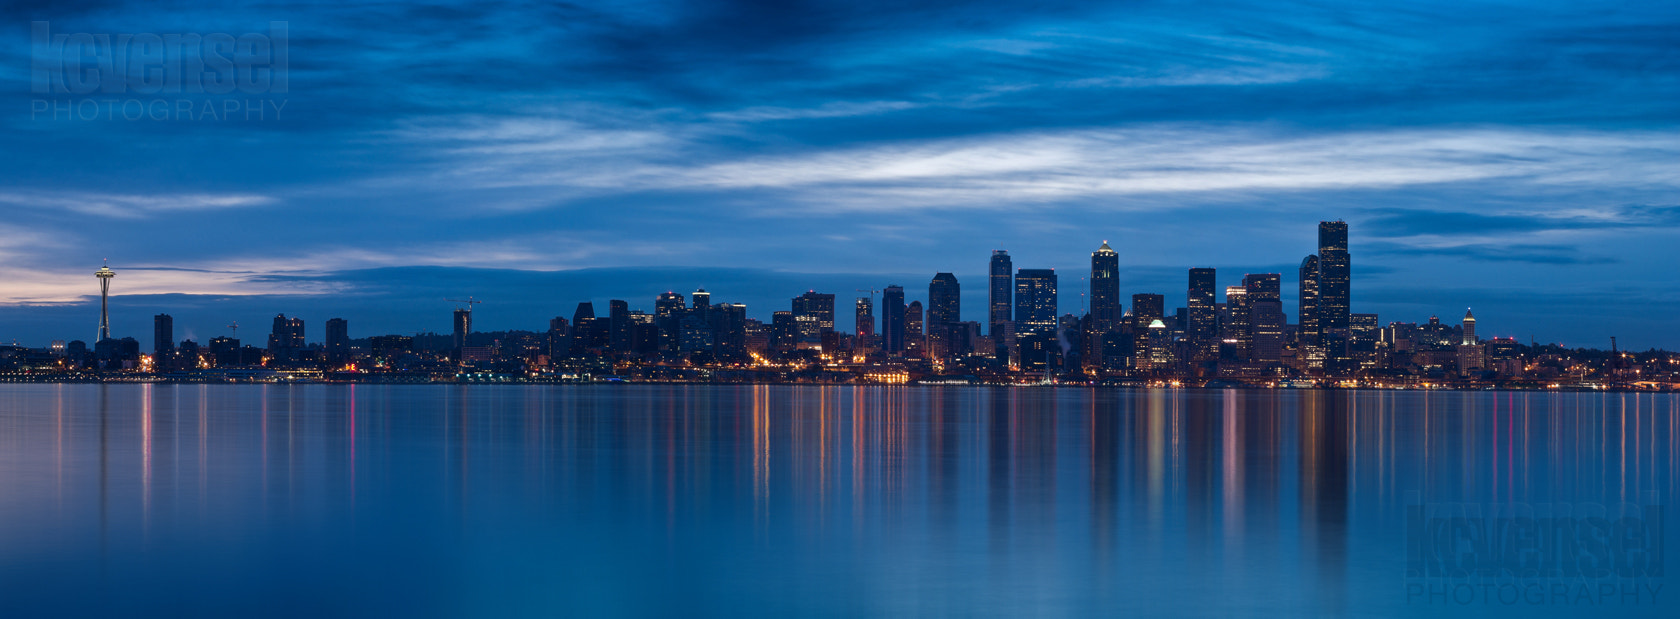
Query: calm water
{"type": "Point", "coordinates": [175, 500]}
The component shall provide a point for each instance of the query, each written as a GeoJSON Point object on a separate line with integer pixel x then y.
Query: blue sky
{"type": "Point", "coordinates": [1518, 158]}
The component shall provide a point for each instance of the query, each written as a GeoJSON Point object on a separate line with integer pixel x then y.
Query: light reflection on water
{"type": "Point", "coordinates": [775, 500]}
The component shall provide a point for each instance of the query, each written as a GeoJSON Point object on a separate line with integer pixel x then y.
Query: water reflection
{"type": "Point", "coordinates": [277, 500]}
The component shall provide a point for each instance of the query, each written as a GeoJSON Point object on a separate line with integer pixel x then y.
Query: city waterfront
{"type": "Point", "coordinates": [772, 500]}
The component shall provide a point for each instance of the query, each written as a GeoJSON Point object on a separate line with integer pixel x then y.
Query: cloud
{"type": "Point", "coordinates": [130, 206]}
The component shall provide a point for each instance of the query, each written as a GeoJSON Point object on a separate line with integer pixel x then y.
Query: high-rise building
{"type": "Point", "coordinates": [1146, 309]}
{"type": "Point", "coordinates": [1001, 286]}
{"type": "Point", "coordinates": [163, 335]}
{"type": "Point", "coordinates": [913, 321]}
{"type": "Point", "coordinates": [816, 305]}
{"type": "Point", "coordinates": [1105, 288]}
{"type": "Point", "coordinates": [1035, 301]}
{"type": "Point", "coordinates": [337, 343]}
{"type": "Point", "coordinates": [621, 331]}
{"type": "Point", "coordinates": [463, 328]}
{"type": "Point", "coordinates": [784, 332]}
{"type": "Point", "coordinates": [892, 319]}
{"type": "Point", "coordinates": [668, 311]}
{"type": "Point", "coordinates": [1237, 336]}
{"type": "Point", "coordinates": [1266, 319]}
{"type": "Point", "coordinates": [286, 338]}
{"type": "Point", "coordinates": [865, 320]}
{"type": "Point", "coordinates": [731, 328]}
{"type": "Point", "coordinates": [1469, 329]}
{"type": "Point", "coordinates": [1334, 295]}
{"type": "Point", "coordinates": [1307, 319]}
{"type": "Point", "coordinates": [1201, 316]}
{"type": "Point", "coordinates": [944, 300]}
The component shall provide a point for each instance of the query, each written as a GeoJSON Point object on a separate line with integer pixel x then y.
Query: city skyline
{"type": "Point", "coordinates": [1069, 301]}
{"type": "Point", "coordinates": [1258, 302]}
{"type": "Point", "coordinates": [1472, 174]}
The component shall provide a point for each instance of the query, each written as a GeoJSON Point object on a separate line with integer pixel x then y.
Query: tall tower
{"type": "Point", "coordinates": [892, 319]}
{"type": "Point", "coordinates": [944, 300]}
{"type": "Point", "coordinates": [1469, 328]}
{"type": "Point", "coordinates": [1308, 302]}
{"type": "Point", "coordinates": [1035, 301]}
{"type": "Point", "coordinates": [104, 274]}
{"type": "Point", "coordinates": [1002, 285]}
{"type": "Point", "coordinates": [1334, 297]}
{"type": "Point", "coordinates": [1105, 288]}
{"type": "Point", "coordinates": [1202, 315]}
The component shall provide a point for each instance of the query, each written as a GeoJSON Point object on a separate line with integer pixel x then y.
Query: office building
{"type": "Point", "coordinates": [1307, 331]}
{"type": "Point", "coordinates": [1201, 326]}
{"type": "Point", "coordinates": [1035, 301]}
{"type": "Point", "coordinates": [337, 343]}
{"type": "Point", "coordinates": [816, 305]}
{"type": "Point", "coordinates": [1105, 289]}
{"type": "Point", "coordinates": [892, 319]}
{"type": "Point", "coordinates": [944, 300]}
{"type": "Point", "coordinates": [1001, 287]}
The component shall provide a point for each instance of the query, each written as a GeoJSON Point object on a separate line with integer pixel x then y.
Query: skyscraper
{"type": "Point", "coordinates": [286, 337]}
{"type": "Point", "coordinates": [337, 343]}
{"type": "Point", "coordinates": [944, 300]}
{"type": "Point", "coordinates": [163, 335]}
{"type": "Point", "coordinates": [1308, 317]}
{"type": "Point", "coordinates": [1238, 336]}
{"type": "Point", "coordinates": [912, 322]}
{"type": "Point", "coordinates": [892, 319]}
{"type": "Point", "coordinates": [1146, 309]}
{"type": "Point", "coordinates": [1334, 295]}
{"type": "Point", "coordinates": [1001, 286]}
{"type": "Point", "coordinates": [621, 331]}
{"type": "Point", "coordinates": [1266, 319]}
{"type": "Point", "coordinates": [1469, 329]}
{"type": "Point", "coordinates": [463, 328]}
{"type": "Point", "coordinates": [668, 311]}
{"type": "Point", "coordinates": [817, 305]}
{"type": "Point", "coordinates": [865, 320]}
{"type": "Point", "coordinates": [1035, 301]}
{"type": "Point", "coordinates": [1202, 318]}
{"type": "Point", "coordinates": [1105, 288]}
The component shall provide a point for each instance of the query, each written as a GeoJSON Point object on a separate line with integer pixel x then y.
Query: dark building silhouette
{"type": "Point", "coordinates": [163, 336]}
{"type": "Point", "coordinates": [1146, 309]}
{"type": "Point", "coordinates": [1266, 320]}
{"type": "Point", "coordinates": [865, 319]}
{"type": "Point", "coordinates": [1105, 288]}
{"type": "Point", "coordinates": [1201, 321]}
{"type": "Point", "coordinates": [892, 319]}
{"type": "Point", "coordinates": [1035, 301]}
{"type": "Point", "coordinates": [337, 342]}
{"type": "Point", "coordinates": [1307, 314]}
{"type": "Point", "coordinates": [619, 328]}
{"type": "Point", "coordinates": [1334, 295]}
{"type": "Point", "coordinates": [224, 351]}
{"type": "Point", "coordinates": [463, 328]}
{"type": "Point", "coordinates": [816, 305]}
{"type": "Point", "coordinates": [286, 339]}
{"type": "Point", "coordinates": [944, 300]}
{"type": "Point", "coordinates": [668, 311]}
{"type": "Point", "coordinates": [729, 326]}
{"type": "Point", "coordinates": [1002, 285]}
{"type": "Point", "coordinates": [784, 332]}
{"type": "Point", "coordinates": [1238, 335]}
{"type": "Point", "coordinates": [913, 321]}
{"type": "Point", "coordinates": [702, 304]}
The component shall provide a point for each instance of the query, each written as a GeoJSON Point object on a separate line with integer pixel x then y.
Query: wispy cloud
{"type": "Point", "coordinates": [130, 206]}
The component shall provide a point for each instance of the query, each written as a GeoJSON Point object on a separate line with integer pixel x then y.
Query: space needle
{"type": "Point", "coordinates": [104, 274]}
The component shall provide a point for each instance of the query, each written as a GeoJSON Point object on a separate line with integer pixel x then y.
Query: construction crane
{"type": "Point", "coordinates": [470, 302]}
{"type": "Point", "coordinates": [235, 328]}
